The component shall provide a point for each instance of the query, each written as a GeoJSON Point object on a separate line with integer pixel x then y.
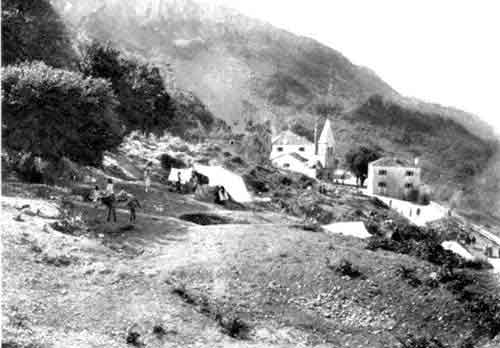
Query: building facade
{"type": "Point", "coordinates": [293, 152]}
{"type": "Point", "coordinates": [288, 142]}
{"type": "Point", "coordinates": [394, 177]}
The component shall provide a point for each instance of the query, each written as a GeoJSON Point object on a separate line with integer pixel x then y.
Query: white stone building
{"type": "Point", "coordinates": [293, 152]}
{"type": "Point", "coordinates": [393, 177]}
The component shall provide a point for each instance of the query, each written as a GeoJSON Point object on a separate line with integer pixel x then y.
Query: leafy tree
{"type": "Point", "coordinates": [104, 61]}
{"type": "Point", "coordinates": [32, 30]}
{"type": "Point", "coordinates": [144, 102]}
{"type": "Point", "coordinates": [54, 113]}
{"type": "Point", "coordinates": [256, 144]}
{"type": "Point", "coordinates": [327, 108]}
{"type": "Point", "coordinates": [358, 159]}
{"type": "Point", "coordinates": [300, 129]}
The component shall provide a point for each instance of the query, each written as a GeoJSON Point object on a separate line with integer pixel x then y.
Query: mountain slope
{"type": "Point", "coordinates": [240, 67]}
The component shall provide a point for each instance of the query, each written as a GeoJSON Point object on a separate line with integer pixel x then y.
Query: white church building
{"type": "Point", "coordinates": [295, 153]}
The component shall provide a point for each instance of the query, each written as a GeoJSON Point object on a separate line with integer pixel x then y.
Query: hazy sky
{"type": "Point", "coordinates": [442, 51]}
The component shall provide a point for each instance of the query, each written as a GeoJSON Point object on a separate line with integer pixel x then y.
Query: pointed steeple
{"type": "Point", "coordinates": [327, 135]}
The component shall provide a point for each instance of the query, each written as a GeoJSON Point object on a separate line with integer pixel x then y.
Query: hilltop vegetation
{"type": "Point", "coordinates": [95, 96]}
{"type": "Point", "coordinates": [39, 117]}
{"type": "Point", "coordinates": [33, 30]}
{"type": "Point", "coordinates": [238, 66]}
{"type": "Point", "coordinates": [449, 152]}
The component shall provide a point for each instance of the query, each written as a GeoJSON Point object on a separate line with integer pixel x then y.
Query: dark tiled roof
{"type": "Point", "coordinates": [299, 157]}
{"type": "Point", "coordinates": [294, 155]}
{"type": "Point", "coordinates": [394, 162]}
{"type": "Point", "coordinates": [290, 138]}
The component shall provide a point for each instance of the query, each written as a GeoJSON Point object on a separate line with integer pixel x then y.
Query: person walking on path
{"type": "Point", "coordinates": [109, 200]}
{"type": "Point", "coordinates": [147, 176]}
{"type": "Point", "coordinates": [179, 182]}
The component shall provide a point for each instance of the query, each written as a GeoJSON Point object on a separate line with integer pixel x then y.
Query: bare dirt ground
{"type": "Point", "coordinates": [261, 281]}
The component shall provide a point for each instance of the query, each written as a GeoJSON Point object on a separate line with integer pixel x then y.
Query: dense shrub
{"type": "Point", "coordinates": [420, 242]}
{"type": "Point", "coordinates": [144, 102]}
{"type": "Point", "coordinates": [357, 160]}
{"type": "Point", "coordinates": [55, 113]}
{"type": "Point", "coordinates": [477, 264]}
{"type": "Point", "coordinates": [346, 268]}
{"type": "Point", "coordinates": [168, 162]}
{"type": "Point", "coordinates": [32, 30]}
{"type": "Point", "coordinates": [413, 195]}
{"type": "Point", "coordinates": [255, 146]}
{"type": "Point", "coordinates": [409, 275]}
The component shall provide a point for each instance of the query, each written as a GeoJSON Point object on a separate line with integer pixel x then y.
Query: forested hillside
{"type": "Point", "coordinates": [33, 30]}
{"type": "Point", "coordinates": [63, 97]}
{"type": "Point", "coordinates": [240, 67]}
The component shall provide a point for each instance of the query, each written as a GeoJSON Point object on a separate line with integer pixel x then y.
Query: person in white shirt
{"type": "Point", "coordinates": [94, 196]}
{"type": "Point", "coordinates": [108, 200]}
{"type": "Point", "coordinates": [147, 176]}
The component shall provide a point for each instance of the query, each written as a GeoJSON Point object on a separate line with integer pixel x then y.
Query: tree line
{"type": "Point", "coordinates": [54, 113]}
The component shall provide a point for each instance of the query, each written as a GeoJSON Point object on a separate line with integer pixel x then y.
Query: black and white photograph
{"type": "Point", "coordinates": [250, 174]}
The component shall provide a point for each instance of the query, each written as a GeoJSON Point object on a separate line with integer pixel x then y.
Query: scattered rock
{"type": "Point", "coordinates": [57, 260]}
{"type": "Point", "coordinates": [159, 331]}
{"type": "Point", "coordinates": [150, 272]}
{"type": "Point", "coordinates": [19, 218]}
{"type": "Point", "coordinates": [133, 336]}
{"type": "Point", "coordinates": [35, 248]}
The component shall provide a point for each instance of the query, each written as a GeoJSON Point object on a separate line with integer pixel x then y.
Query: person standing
{"type": "Point", "coordinates": [94, 196]}
{"type": "Point", "coordinates": [179, 182]}
{"type": "Point", "coordinates": [147, 176]}
{"type": "Point", "coordinates": [132, 204]}
{"type": "Point", "coordinates": [223, 197]}
{"type": "Point", "coordinates": [109, 199]}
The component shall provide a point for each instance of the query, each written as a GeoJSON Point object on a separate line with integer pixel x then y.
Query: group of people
{"type": "Point", "coordinates": [108, 198]}
{"type": "Point", "coordinates": [221, 195]}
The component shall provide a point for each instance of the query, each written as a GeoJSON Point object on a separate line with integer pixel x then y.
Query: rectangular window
{"type": "Point", "coordinates": [409, 185]}
{"type": "Point", "coordinates": [302, 149]}
{"type": "Point", "coordinates": [409, 173]}
{"type": "Point", "coordinates": [280, 149]}
{"type": "Point", "coordinates": [382, 184]}
{"type": "Point", "coordinates": [382, 172]}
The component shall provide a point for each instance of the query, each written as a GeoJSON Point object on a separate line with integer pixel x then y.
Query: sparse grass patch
{"type": "Point", "coordinates": [181, 291]}
{"type": "Point", "coordinates": [234, 326]}
{"type": "Point", "coordinates": [346, 268]}
{"type": "Point", "coordinates": [205, 219]}
{"type": "Point", "coordinates": [477, 264]}
{"type": "Point", "coordinates": [159, 331]}
{"type": "Point", "coordinates": [408, 274]}
{"type": "Point", "coordinates": [411, 341]}
{"type": "Point", "coordinates": [230, 323]}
